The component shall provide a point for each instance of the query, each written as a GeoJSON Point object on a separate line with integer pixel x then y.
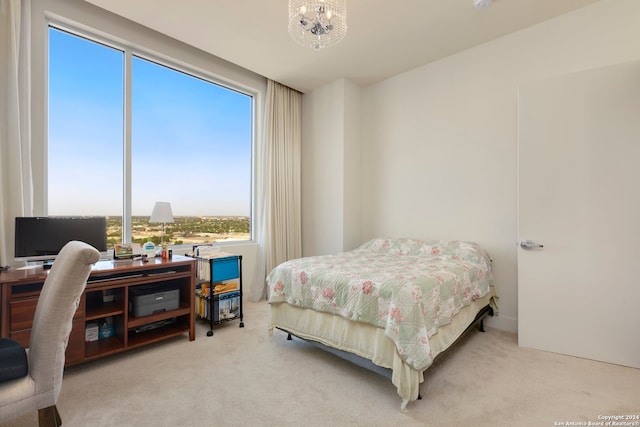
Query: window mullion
{"type": "Point", "coordinates": [127, 220]}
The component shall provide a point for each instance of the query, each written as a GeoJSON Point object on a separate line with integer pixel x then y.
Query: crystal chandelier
{"type": "Point", "coordinates": [317, 23]}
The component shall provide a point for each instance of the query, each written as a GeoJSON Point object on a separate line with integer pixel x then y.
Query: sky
{"type": "Point", "coordinates": [191, 139]}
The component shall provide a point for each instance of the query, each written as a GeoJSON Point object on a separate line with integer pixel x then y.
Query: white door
{"type": "Point", "coordinates": [579, 197]}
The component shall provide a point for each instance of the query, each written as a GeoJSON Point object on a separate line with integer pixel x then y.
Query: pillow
{"type": "Point", "coordinates": [444, 249]}
{"type": "Point", "coordinates": [13, 360]}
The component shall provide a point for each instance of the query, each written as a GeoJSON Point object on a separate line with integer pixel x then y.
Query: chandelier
{"type": "Point", "coordinates": [317, 23]}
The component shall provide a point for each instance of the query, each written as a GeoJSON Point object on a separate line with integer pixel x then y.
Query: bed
{"type": "Point", "coordinates": [395, 304]}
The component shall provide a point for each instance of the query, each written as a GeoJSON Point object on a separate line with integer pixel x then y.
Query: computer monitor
{"type": "Point", "coordinates": [42, 238]}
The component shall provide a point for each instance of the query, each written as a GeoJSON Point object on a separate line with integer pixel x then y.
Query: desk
{"type": "Point", "coordinates": [20, 289]}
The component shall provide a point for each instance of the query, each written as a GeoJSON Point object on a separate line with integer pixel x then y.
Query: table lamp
{"type": "Point", "coordinates": [161, 213]}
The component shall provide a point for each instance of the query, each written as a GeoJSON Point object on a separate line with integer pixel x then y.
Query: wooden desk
{"type": "Point", "coordinates": [20, 289]}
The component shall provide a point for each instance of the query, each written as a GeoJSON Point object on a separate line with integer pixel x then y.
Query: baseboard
{"type": "Point", "coordinates": [504, 323]}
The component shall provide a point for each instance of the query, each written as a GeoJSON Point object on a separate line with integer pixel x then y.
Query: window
{"type": "Point", "coordinates": [189, 144]}
{"type": "Point", "coordinates": [85, 127]}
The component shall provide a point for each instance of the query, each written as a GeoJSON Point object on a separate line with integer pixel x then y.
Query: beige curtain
{"type": "Point", "coordinates": [16, 185]}
{"type": "Point", "coordinates": [278, 212]}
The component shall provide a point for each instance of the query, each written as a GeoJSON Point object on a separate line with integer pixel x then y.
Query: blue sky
{"type": "Point", "coordinates": [191, 140]}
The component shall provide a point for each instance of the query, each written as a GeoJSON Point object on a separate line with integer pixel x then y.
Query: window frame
{"type": "Point", "coordinates": [131, 50]}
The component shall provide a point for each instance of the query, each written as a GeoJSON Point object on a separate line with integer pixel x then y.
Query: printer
{"type": "Point", "coordinates": [154, 298]}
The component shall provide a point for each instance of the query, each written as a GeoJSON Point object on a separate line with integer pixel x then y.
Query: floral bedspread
{"type": "Point", "coordinates": [408, 287]}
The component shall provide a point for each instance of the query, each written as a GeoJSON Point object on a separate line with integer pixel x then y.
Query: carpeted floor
{"type": "Point", "coordinates": [244, 377]}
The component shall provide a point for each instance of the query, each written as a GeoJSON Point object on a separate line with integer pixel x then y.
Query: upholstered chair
{"type": "Point", "coordinates": [40, 387]}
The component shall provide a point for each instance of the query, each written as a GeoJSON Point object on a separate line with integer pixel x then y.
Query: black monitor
{"type": "Point", "coordinates": [41, 238]}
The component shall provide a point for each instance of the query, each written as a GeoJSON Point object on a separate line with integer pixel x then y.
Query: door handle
{"type": "Point", "coordinates": [528, 244]}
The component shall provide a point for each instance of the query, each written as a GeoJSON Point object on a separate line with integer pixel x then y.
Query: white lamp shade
{"type": "Point", "coordinates": [161, 213]}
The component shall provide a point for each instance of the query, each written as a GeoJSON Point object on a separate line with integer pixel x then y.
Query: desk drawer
{"type": "Point", "coordinates": [22, 337]}
{"type": "Point", "coordinates": [21, 313]}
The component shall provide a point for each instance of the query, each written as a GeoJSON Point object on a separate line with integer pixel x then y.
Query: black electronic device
{"type": "Point", "coordinates": [41, 238]}
{"type": "Point", "coordinates": [145, 300]}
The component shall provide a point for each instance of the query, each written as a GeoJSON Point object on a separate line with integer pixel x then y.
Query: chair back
{"type": "Point", "coordinates": [53, 318]}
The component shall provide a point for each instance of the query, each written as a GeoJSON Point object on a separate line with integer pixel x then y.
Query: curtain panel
{"type": "Point", "coordinates": [16, 183]}
{"type": "Point", "coordinates": [278, 199]}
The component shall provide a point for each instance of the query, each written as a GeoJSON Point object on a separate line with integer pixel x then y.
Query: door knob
{"type": "Point", "coordinates": [528, 244]}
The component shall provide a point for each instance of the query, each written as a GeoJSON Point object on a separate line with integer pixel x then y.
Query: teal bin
{"type": "Point", "coordinates": [224, 269]}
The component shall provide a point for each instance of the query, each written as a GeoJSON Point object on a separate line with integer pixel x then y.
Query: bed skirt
{"type": "Point", "coordinates": [370, 342]}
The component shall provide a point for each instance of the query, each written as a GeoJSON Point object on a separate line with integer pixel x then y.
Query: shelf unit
{"type": "Point", "coordinates": [221, 276]}
{"type": "Point", "coordinates": [20, 291]}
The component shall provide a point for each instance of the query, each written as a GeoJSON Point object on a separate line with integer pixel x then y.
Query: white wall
{"type": "Point", "coordinates": [331, 168]}
{"type": "Point", "coordinates": [352, 168]}
{"type": "Point", "coordinates": [439, 143]}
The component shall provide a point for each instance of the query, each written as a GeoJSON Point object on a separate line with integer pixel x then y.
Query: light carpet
{"type": "Point", "coordinates": [244, 377]}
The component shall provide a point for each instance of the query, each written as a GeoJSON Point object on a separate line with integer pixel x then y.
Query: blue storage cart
{"type": "Point", "coordinates": [225, 305]}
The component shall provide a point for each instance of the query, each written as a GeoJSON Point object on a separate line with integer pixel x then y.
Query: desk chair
{"type": "Point", "coordinates": [39, 386]}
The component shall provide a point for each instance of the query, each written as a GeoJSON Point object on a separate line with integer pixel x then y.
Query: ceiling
{"type": "Point", "coordinates": [384, 38]}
